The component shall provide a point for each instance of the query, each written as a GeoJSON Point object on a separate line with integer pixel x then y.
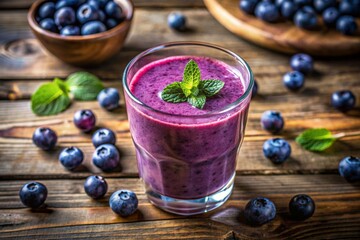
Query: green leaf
{"type": "Point", "coordinates": [49, 99]}
{"type": "Point", "coordinates": [191, 89]}
{"type": "Point", "coordinates": [191, 77]}
{"type": "Point", "coordinates": [173, 93]}
{"type": "Point", "coordinates": [316, 139]}
{"type": "Point", "coordinates": [197, 101]}
{"type": "Point", "coordinates": [84, 85]}
{"type": "Point", "coordinates": [62, 85]}
{"type": "Point", "coordinates": [211, 87]}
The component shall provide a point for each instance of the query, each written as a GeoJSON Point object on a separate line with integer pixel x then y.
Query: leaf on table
{"type": "Point", "coordinates": [316, 139]}
{"type": "Point", "coordinates": [84, 86]}
{"type": "Point", "coordinates": [49, 99]}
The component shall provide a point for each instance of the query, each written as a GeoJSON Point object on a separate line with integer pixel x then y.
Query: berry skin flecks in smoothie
{"type": "Point", "coordinates": [181, 154]}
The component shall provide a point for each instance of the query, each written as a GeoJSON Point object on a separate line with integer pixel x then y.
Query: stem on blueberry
{"type": "Point", "coordinates": [342, 135]}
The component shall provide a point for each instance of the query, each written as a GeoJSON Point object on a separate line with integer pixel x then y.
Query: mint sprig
{"type": "Point", "coordinates": [53, 98]}
{"type": "Point", "coordinates": [192, 89]}
{"type": "Point", "coordinates": [320, 139]}
{"type": "Point", "coordinates": [50, 99]}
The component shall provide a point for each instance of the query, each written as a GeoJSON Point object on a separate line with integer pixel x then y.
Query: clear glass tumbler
{"type": "Point", "coordinates": [188, 162]}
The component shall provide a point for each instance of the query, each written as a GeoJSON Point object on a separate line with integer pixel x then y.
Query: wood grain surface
{"type": "Point", "coordinates": [25, 65]}
{"type": "Point", "coordinates": [70, 212]}
{"type": "Point", "coordinates": [283, 36]}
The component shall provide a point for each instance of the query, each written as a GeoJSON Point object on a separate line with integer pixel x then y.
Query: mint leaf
{"type": "Point", "coordinates": [62, 85]}
{"type": "Point", "coordinates": [316, 139]}
{"type": "Point", "coordinates": [173, 93]}
{"type": "Point", "coordinates": [197, 101]}
{"type": "Point", "coordinates": [191, 77]}
{"type": "Point", "coordinates": [191, 88]}
{"type": "Point", "coordinates": [211, 87]}
{"type": "Point", "coordinates": [49, 99]}
{"type": "Point", "coordinates": [84, 85]}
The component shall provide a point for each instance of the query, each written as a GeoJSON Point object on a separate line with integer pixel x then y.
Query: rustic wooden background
{"type": "Point", "coordinates": [24, 65]}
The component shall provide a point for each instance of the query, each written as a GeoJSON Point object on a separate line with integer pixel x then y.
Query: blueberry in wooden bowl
{"type": "Point", "coordinates": [79, 32]}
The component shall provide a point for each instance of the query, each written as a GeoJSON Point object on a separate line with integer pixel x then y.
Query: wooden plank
{"type": "Point", "coordinates": [23, 58]}
{"type": "Point", "coordinates": [20, 158]}
{"type": "Point", "coordinates": [21, 4]}
{"type": "Point", "coordinates": [70, 213]}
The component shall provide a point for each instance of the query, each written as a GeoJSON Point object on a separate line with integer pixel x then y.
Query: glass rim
{"type": "Point", "coordinates": [225, 109]}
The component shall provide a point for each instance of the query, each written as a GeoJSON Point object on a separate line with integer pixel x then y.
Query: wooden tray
{"type": "Point", "coordinates": [283, 36]}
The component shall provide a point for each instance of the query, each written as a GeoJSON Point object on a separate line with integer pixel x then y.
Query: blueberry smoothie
{"type": "Point", "coordinates": [184, 152]}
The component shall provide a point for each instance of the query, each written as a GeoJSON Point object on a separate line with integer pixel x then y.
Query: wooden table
{"type": "Point", "coordinates": [24, 65]}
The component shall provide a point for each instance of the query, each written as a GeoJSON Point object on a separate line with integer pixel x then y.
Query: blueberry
{"type": "Point", "coordinates": [272, 121]}
{"type": "Point", "coordinates": [106, 157]}
{"type": "Point", "coordinates": [349, 168]}
{"type": "Point", "coordinates": [259, 211]}
{"type": "Point", "coordinates": [301, 207]}
{"type": "Point", "coordinates": [66, 3]}
{"type": "Point", "coordinates": [95, 187]}
{"type": "Point", "coordinates": [177, 21]}
{"type": "Point", "coordinates": [330, 16]}
{"type": "Point", "coordinates": [277, 150]}
{"type": "Point", "coordinates": [303, 2]}
{"type": "Point", "coordinates": [288, 9]}
{"type": "Point", "coordinates": [33, 194]}
{"type": "Point", "coordinates": [346, 25]}
{"type": "Point", "coordinates": [102, 3]}
{"type": "Point", "coordinates": [255, 89]}
{"type": "Point", "coordinates": [87, 13]}
{"type": "Point", "coordinates": [113, 10]}
{"type": "Point", "coordinates": [346, 7]}
{"type": "Point", "coordinates": [321, 5]}
{"type": "Point", "coordinates": [102, 16]}
{"type": "Point", "coordinates": [94, 3]}
{"type": "Point", "coordinates": [278, 3]}
{"type": "Point", "coordinates": [48, 24]}
{"type": "Point", "coordinates": [44, 138]}
{"type": "Point", "coordinates": [306, 18]}
{"type": "Point", "coordinates": [65, 16]}
{"type": "Point", "coordinates": [111, 23]}
{"type": "Point", "coordinates": [294, 80]}
{"type": "Point", "coordinates": [93, 27]}
{"type": "Point", "coordinates": [71, 157]}
{"type": "Point", "coordinates": [123, 202]}
{"type": "Point", "coordinates": [85, 120]}
{"type": "Point", "coordinates": [103, 136]}
{"type": "Point", "coordinates": [70, 31]}
{"type": "Point", "coordinates": [356, 5]}
{"type": "Point", "coordinates": [47, 10]}
{"type": "Point", "coordinates": [267, 12]}
{"type": "Point", "coordinates": [109, 98]}
{"type": "Point", "coordinates": [248, 6]}
{"type": "Point", "coordinates": [343, 100]}
{"type": "Point", "coordinates": [302, 62]}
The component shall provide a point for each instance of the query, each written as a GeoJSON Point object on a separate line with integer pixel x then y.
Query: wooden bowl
{"type": "Point", "coordinates": [83, 50]}
{"type": "Point", "coordinates": [283, 36]}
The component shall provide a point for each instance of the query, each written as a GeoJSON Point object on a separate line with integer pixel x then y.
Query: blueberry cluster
{"type": "Point", "coordinates": [261, 210]}
{"type": "Point", "coordinates": [302, 64]}
{"type": "Point", "coordinates": [304, 13]}
{"type": "Point", "coordinates": [79, 17]}
{"type": "Point", "coordinates": [106, 157]}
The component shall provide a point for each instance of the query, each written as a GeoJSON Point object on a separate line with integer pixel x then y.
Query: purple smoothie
{"type": "Point", "coordinates": [184, 152]}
